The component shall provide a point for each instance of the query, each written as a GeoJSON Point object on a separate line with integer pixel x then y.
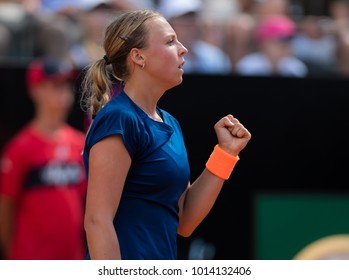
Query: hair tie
{"type": "Point", "coordinates": [107, 61]}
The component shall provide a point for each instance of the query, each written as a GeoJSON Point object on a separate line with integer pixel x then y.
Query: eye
{"type": "Point", "coordinates": [172, 40]}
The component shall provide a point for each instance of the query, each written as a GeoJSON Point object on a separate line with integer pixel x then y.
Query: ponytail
{"type": "Point", "coordinates": [96, 87]}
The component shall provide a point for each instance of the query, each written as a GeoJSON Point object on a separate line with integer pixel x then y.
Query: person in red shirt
{"type": "Point", "coordinates": [42, 178]}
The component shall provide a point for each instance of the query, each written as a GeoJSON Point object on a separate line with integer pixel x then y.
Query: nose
{"type": "Point", "coordinates": [182, 50]}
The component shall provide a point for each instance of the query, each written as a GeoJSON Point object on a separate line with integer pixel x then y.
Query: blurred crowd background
{"type": "Point", "coordinates": [308, 37]}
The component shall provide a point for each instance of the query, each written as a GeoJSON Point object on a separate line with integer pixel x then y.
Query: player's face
{"type": "Point", "coordinates": [164, 56]}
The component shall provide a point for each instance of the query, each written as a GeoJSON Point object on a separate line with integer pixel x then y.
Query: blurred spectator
{"type": "Point", "coordinates": [239, 37]}
{"type": "Point", "coordinates": [240, 29]}
{"type": "Point", "coordinates": [143, 4]}
{"type": "Point", "coordinates": [314, 45]}
{"type": "Point", "coordinates": [71, 7]}
{"type": "Point", "coordinates": [42, 178]}
{"type": "Point", "coordinates": [339, 13]}
{"type": "Point", "coordinates": [54, 35]}
{"type": "Point", "coordinates": [30, 6]}
{"type": "Point", "coordinates": [93, 20]}
{"type": "Point", "coordinates": [203, 57]}
{"type": "Point", "coordinates": [55, 6]}
{"type": "Point", "coordinates": [72, 31]}
{"type": "Point", "coordinates": [214, 17]}
{"type": "Point", "coordinates": [265, 8]}
{"type": "Point", "coordinates": [17, 30]}
{"type": "Point", "coordinates": [274, 57]}
{"type": "Point", "coordinates": [5, 41]}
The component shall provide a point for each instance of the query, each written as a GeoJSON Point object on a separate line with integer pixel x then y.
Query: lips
{"type": "Point", "coordinates": [181, 65]}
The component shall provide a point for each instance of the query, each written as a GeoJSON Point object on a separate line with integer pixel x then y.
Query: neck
{"type": "Point", "coordinates": [47, 127]}
{"type": "Point", "coordinates": [144, 99]}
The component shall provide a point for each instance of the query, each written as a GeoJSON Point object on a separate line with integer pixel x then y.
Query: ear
{"type": "Point", "coordinates": [137, 57]}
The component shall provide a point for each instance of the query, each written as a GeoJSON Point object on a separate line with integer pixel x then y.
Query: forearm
{"type": "Point", "coordinates": [198, 201]}
{"type": "Point", "coordinates": [102, 241]}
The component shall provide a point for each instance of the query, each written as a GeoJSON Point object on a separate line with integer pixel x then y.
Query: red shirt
{"type": "Point", "coordinates": [46, 179]}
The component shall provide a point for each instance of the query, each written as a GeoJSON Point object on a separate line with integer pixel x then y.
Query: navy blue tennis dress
{"type": "Point", "coordinates": [147, 217]}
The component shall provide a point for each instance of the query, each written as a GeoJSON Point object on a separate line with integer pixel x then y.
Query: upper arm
{"type": "Point", "coordinates": [7, 216]}
{"type": "Point", "coordinates": [14, 164]}
{"type": "Point", "coordinates": [109, 163]}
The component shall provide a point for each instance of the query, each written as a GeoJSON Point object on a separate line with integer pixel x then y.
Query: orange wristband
{"type": "Point", "coordinates": [221, 163]}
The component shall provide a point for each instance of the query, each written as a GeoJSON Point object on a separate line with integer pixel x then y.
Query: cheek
{"type": "Point", "coordinates": [164, 54]}
{"type": "Point", "coordinates": [162, 62]}
{"type": "Point", "coordinates": [168, 58]}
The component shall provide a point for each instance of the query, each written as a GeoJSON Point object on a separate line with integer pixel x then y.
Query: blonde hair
{"type": "Point", "coordinates": [127, 31]}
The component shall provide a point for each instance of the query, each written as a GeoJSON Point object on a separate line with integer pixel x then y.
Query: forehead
{"type": "Point", "coordinates": [159, 27]}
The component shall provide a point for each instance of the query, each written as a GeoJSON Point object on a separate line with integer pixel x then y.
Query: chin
{"type": "Point", "coordinates": [178, 82]}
